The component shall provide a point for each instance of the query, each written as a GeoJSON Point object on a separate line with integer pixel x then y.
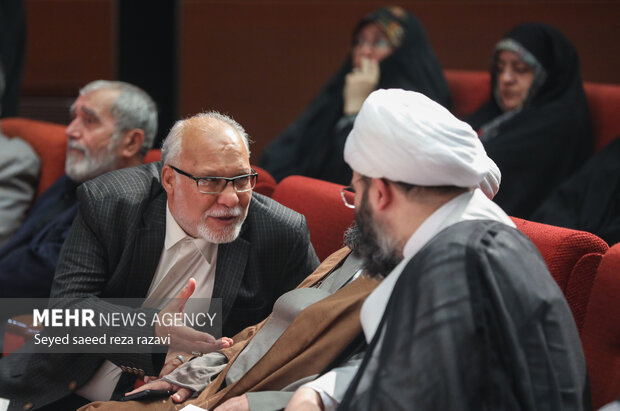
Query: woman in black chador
{"type": "Point", "coordinates": [536, 124]}
{"type": "Point", "coordinates": [590, 199]}
{"type": "Point", "coordinates": [389, 50]}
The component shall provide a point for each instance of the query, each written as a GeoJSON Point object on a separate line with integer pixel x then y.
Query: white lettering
{"type": "Point", "coordinates": [155, 321]}
{"type": "Point", "coordinates": [129, 319]}
{"type": "Point", "coordinates": [182, 319]}
{"type": "Point", "coordinates": [57, 317]}
{"type": "Point", "coordinates": [64, 317]}
{"type": "Point", "coordinates": [141, 319]}
{"type": "Point", "coordinates": [40, 317]}
{"type": "Point", "coordinates": [154, 340]}
{"type": "Point", "coordinates": [87, 317]}
{"type": "Point", "coordinates": [197, 319]}
{"type": "Point", "coordinates": [49, 341]}
{"type": "Point", "coordinates": [121, 340]}
{"type": "Point", "coordinates": [75, 317]}
{"type": "Point", "coordinates": [89, 340]}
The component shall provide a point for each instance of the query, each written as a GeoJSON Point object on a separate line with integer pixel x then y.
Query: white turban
{"type": "Point", "coordinates": [405, 136]}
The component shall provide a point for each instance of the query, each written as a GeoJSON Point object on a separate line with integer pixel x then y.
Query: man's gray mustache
{"type": "Point", "coordinates": [233, 212]}
{"type": "Point", "coordinates": [76, 146]}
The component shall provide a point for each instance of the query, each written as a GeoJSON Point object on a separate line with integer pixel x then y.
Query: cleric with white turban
{"type": "Point", "coordinates": [405, 136]}
{"type": "Point", "coordinates": [470, 318]}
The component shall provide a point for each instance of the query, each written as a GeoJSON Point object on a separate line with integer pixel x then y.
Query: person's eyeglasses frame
{"type": "Point", "coordinates": [378, 43]}
{"type": "Point", "coordinates": [253, 179]}
{"type": "Point", "coordinates": [347, 189]}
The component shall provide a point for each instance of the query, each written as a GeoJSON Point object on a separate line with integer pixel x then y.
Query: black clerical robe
{"type": "Point", "coordinates": [475, 322]}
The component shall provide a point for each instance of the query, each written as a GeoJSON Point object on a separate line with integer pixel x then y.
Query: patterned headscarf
{"type": "Point", "coordinates": [390, 20]}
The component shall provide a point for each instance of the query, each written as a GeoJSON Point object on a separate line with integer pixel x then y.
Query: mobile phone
{"type": "Point", "coordinates": [147, 394]}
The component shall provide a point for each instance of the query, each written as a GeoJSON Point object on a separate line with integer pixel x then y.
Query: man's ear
{"type": "Point", "coordinates": [132, 142]}
{"type": "Point", "coordinates": [382, 192]}
{"type": "Point", "coordinates": [167, 179]}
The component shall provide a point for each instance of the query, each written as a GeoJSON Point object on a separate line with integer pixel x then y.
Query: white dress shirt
{"type": "Point", "coordinates": [182, 258]}
{"type": "Point", "coordinates": [473, 205]}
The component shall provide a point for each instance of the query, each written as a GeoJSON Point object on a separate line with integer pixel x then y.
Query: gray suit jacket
{"type": "Point", "coordinates": [113, 249]}
{"type": "Point", "coordinates": [19, 170]}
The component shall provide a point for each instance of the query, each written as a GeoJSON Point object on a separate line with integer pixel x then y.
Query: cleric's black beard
{"type": "Point", "coordinates": [379, 258]}
{"type": "Point", "coordinates": [352, 238]}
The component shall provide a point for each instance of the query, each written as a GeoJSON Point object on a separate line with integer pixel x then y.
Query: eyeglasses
{"type": "Point", "coordinates": [378, 43]}
{"type": "Point", "coordinates": [343, 193]}
{"type": "Point", "coordinates": [215, 185]}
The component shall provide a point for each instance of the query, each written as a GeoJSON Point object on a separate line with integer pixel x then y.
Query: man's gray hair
{"type": "Point", "coordinates": [133, 108]}
{"type": "Point", "coordinates": [171, 148]}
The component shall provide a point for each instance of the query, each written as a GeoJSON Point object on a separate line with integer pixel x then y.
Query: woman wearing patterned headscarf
{"type": "Point", "coordinates": [536, 124]}
{"type": "Point", "coordinates": [389, 50]}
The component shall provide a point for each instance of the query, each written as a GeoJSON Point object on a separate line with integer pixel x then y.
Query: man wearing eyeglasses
{"type": "Point", "coordinates": [188, 226]}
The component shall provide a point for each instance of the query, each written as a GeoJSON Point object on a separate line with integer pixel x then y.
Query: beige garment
{"type": "Point", "coordinates": [314, 339]}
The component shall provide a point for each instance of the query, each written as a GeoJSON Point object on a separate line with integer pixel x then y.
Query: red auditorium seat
{"type": "Point", "coordinates": [469, 89]}
{"type": "Point", "coordinates": [572, 258]}
{"type": "Point", "coordinates": [266, 184]}
{"type": "Point", "coordinates": [320, 202]}
{"type": "Point", "coordinates": [152, 156]}
{"type": "Point", "coordinates": [49, 142]}
{"type": "Point", "coordinates": [600, 334]}
{"type": "Point", "coordinates": [604, 104]}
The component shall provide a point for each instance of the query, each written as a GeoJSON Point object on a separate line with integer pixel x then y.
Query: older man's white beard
{"type": "Point", "coordinates": [227, 234]}
{"type": "Point", "coordinates": [89, 166]}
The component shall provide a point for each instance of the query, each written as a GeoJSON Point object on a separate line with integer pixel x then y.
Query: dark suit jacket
{"type": "Point", "coordinates": [28, 260]}
{"type": "Point", "coordinates": [113, 249]}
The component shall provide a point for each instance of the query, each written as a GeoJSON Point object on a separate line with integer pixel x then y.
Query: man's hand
{"type": "Point", "coordinates": [182, 338]}
{"type": "Point", "coordinates": [358, 84]}
{"type": "Point", "coordinates": [239, 403]}
{"type": "Point", "coordinates": [173, 358]}
{"type": "Point", "coordinates": [171, 363]}
{"type": "Point", "coordinates": [180, 395]}
{"type": "Point", "coordinates": [305, 399]}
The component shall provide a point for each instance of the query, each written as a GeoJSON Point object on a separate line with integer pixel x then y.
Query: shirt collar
{"type": "Point", "coordinates": [472, 205]}
{"type": "Point", "coordinates": [175, 235]}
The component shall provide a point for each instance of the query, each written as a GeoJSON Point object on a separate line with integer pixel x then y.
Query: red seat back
{"type": "Point", "coordinates": [572, 258]}
{"type": "Point", "coordinates": [49, 142]}
{"type": "Point", "coordinates": [266, 184]}
{"type": "Point", "coordinates": [604, 104]}
{"type": "Point", "coordinates": [600, 336]}
{"type": "Point", "coordinates": [469, 89]}
{"type": "Point", "coordinates": [152, 156]}
{"type": "Point", "coordinates": [321, 204]}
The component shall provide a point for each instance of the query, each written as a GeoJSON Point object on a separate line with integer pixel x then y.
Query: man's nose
{"type": "Point", "coordinates": [73, 130]}
{"type": "Point", "coordinates": [228, 196]}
